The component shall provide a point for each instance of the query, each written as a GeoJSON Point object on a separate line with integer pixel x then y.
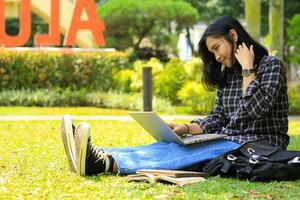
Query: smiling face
{"type": "Point", "coordinates": [221, 49]}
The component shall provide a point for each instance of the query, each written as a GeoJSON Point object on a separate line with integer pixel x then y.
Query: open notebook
{"type": "Point", "coordinates": [167, 176]}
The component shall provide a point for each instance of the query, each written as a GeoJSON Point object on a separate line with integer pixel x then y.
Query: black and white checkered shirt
{"type": "Point", "coordinates": [262, 112]}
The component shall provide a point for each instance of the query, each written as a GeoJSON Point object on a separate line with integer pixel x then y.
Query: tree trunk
{"type": "Point", "coordinates": [188, 35]}
{"type": "Point", "coordinates": [276, 26]}
{"type": "Point", "coordinates": [143, 34]}
{"type": "Point", "coordinates": [252, 16]}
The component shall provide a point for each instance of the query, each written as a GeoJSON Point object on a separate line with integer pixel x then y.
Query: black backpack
{"type": "Point", "coordinates": [256, 161]}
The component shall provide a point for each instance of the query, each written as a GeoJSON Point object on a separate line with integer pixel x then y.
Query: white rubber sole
{"type": "Point", "coordinates": [68, 141]}
{"type": "Point", "coordinates": [82, 134]}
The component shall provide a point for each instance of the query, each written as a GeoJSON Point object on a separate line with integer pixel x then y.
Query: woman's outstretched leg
{"type": "Point", "coordinates": [92, 160]}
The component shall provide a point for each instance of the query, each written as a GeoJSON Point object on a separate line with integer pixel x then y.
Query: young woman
{"type": "Point", "coordinates": [251, 103]}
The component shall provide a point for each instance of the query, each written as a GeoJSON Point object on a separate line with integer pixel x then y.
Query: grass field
{"type": "Point", "coordinates": [19, 110]}
{"type": "Point", "coordinates": [33, 166]}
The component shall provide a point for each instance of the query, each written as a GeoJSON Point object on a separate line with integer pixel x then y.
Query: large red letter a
{"type": "Point", "coordinates": [93, 23]}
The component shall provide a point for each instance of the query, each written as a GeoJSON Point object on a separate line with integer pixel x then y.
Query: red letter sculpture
{"type": "Point", "coordinates": [25, 26]}
{"type": "Point", "coordinates": [53, 38]}
{"type": "Point", "coordinates": [93, 23]}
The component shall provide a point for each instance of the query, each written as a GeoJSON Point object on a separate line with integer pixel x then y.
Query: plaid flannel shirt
{"type": "Point", "coordinates": [261, 113]}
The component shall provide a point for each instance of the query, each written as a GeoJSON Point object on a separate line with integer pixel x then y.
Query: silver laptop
{"type": "Point", "coordinates": [154, 125]}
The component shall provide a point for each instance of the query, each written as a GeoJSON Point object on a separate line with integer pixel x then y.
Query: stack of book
{"type": "Point", "coordinates": [177, 177]}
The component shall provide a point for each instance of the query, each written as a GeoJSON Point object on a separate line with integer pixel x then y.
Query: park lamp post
{"type": "Point", "coordinates": [147, 89]}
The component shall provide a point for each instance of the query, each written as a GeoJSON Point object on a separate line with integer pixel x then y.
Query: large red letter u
{"type": "Point", "coordinates": [25, 26]}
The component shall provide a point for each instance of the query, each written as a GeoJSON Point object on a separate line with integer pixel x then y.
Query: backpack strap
{"type": "Point", "coordinates": [250, 164]}
{"type": "Point", "coordinates": [228, 162]}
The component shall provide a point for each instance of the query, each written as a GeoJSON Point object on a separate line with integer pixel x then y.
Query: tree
{"type": "Point", "coordinates": [294, 39]}
{"type": "Point", "coordinates": [128, 22]}
{"type": "Point", "coordinates": [291, 8]}
{"type": "Point", "coordinates": [276, 26]}
{"type": "Point", "coordinates": [209, 10]}
{"type": "Point", "coordinates": [252, 16]}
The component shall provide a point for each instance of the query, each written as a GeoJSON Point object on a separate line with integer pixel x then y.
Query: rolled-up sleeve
{"type": "Point", "coordinates": [261, 93]}
{"type": "Point", "coordinates": [215, 120]}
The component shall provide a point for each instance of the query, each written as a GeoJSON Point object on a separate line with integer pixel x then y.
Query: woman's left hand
{"type": "Point", "coordinates": [245, 56]}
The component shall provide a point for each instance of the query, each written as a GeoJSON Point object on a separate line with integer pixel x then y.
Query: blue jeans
{"type": "Point", "coordinates": [162, 155]}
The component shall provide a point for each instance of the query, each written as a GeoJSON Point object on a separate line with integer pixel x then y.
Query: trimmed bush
{"type": "Point", "coordinates": [67, 97]}
{"type": "Point", "coordinates": [127, 101]}
{"type": "Point", "coordinates": [59, 70]}
{"type": "Point", "coordinates": [43, 97]}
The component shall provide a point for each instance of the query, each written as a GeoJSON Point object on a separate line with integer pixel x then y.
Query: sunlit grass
{"type": "Point", "coordinates": [33, 166]}
{"type": "Point", "coordinates": [19, 110]}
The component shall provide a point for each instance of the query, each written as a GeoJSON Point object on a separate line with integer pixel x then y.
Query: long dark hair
{"type": "Point", "coordinates": [213, 75]}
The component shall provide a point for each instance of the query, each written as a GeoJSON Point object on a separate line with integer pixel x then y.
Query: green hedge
{"type": "Point", "coordinates": [59, 97]}
{"type": "Point", "coordinates": [59, 70]}
{"type": "Point", "coordinates": [61, 79]}
{"type": "Point", "coordinates": [199, 101]}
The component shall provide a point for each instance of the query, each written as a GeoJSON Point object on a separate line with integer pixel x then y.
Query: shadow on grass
{"type": "Point", "coordinates": [99, 177]}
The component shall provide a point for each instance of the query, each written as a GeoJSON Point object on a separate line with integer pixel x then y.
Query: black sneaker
{"type": "Point", "coordinates": [67, 134]}
{"type": "Point", "coordinates": [91, 160]}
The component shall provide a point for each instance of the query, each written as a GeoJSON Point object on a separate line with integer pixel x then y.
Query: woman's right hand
{"type": "Point", "coordinates": [178, 129]}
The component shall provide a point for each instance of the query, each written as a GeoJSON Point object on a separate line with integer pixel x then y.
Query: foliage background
{"type": "Point", "coordinates": [106, 80]}
{"type": "Point", "coordinates": [71, 79]}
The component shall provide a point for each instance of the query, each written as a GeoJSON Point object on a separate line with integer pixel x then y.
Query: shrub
{"type": "Point", "coordinates": [170, 80]}
{"type": "Point", "coordinates": [137, 82]}
{"type": "Point", "coordinates": [59, 70]}
{"type": "Point", "coordinates": [126, 101]}
{"type": "Point", "coordinates": [67, 97]}
{"type": "Point", "coordinates": [194, 95]}
{"type": "Point", "coordinates": [43, 97]}
{"type": "Point", "coordinates": [194, 69]}
{"type": "Point", "coordinates": [122, 80]}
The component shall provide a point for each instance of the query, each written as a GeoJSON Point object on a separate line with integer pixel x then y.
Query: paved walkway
{"type": "Point", "coordinates": [98, 117]}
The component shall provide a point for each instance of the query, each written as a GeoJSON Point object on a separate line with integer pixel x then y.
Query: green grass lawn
{"type": "Point", "coordinates": [33, 165]}
{"type": "Point", "coordinates": [19, 110]}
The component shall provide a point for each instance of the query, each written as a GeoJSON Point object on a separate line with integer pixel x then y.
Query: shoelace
{"type": "Point", "coordinates": [101, 155]}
